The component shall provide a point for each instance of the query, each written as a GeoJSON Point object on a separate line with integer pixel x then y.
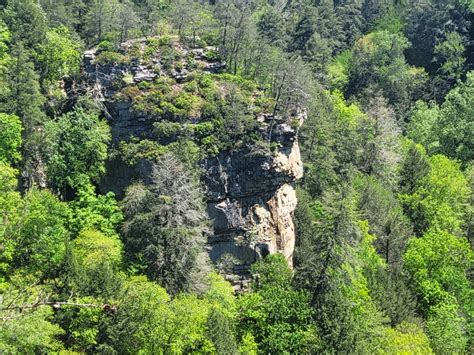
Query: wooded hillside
{"type": "Point", "coordinates": [126, 124]}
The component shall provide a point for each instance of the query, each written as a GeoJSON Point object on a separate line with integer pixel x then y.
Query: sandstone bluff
{"type": "Point", "coordinates": [250, 193]}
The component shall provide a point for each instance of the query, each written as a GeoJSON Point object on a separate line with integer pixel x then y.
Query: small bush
{"type": "Point", "coordinates": [164, 84]}
{"type": "Point", "coordinates": [168, 57]}
{"type": "Point", "coordinates": [167, 129]}
{"type": "Point", "coordinates": [203, 128]}
{"type": "Point", "coordinates": [245, 84]}
{"type": "Point", "coordinates": [135, 52]}
{"type": "Point", "coordinates": [135, 150]}
{"type": "Point", "coordinates": [108, 57]}
{"type": "Point", "coordinates": [129, 93]}
{"type": "Point", "coordinates": [164, 41]}
{"type": "Point", "coordinates": [152, 47]}
{"type": "Point", "coordinates": [295, 123]}
{"type": "Point", "coordinates": [178, 67]}
{"type": "Point", "coordinates": [191, 87]}
{"type": "Point", "coordinates": [128, 79]}
{"type": "Point", "coordinates": [212, 56]}
{"type": "Point", "coordinates": [145, 85]}
{"type": "Point", "coordinates": [105, 46]}
{"type": "Point", "coordinates": [191, 63]}
{"type": "Point", "coordinates": [210, 145]}
{"type": "Point", "coordinates": [264, 104]}
{"type": "Point", "coordinates": [153, 42]}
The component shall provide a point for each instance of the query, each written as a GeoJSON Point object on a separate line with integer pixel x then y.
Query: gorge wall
{"type": "Point", "coordinates": [250, 192]}
{"type": "Point", "coordinates": [251, 199]}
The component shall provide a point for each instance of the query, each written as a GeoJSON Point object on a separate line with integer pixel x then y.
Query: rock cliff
{"type": "Point", "coordinates": [250, 192]}
{"type": "Point", "coordinates": [251, 199]}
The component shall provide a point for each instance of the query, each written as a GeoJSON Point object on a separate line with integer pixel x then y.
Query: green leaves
{"type": "Point", "coordinates": [456, 123]}
{"type": "Point", "coordinates": [32, 333]}
{"type": "Point", "coordinates": [10, 138]}
{"type": "Point", "coordinates": [441, 199]}
{"type": "Point", "coordinates": [10, 207]}
{"type": "Point", "coordinates": [272, 272]}
{"type": "Point", "coordinates": [92, 248]}
{"type": "Point", "coordinates": [148, 321]}
{"type": "Point", "coordinates": [41, 233]}
{"type": "Point", "coordinates": [27, 22]}
{"type": "Point", "coordinates": [95, 212]}
{"type": "Point", "coordinates": [438, 265]}
{"type": "Point", "coordinates": [446, 329]}
{"type": "Point", "coordinates": [441, 259]}
{"type": "Point", "coordinates": [406, 338]}
{"type": "Point", "coordinates": [277, 315]}
{"type": "Point", "coordinates": [422, 126]}
{"type": "Point", "coordinates": [378, 63]}
{"type": "Point", "coordinates": [166, 224]}
{"type": "Point", "coordinates": [391, 228]}
{"type": "Point", "coordinates": [449, 56]}
{"type": "Point", "coordinates": [95, 265]}
{"type": "Point", "coordinates": [338, 70]}
{"type": "Point", "coordinates": [138, 320]}
{"type": "Point", "coordinates": [77, 149]}
{"type": "Point", "coordinates": [58, 55]}
{"type": "Point", "coordinates": [447, 129]}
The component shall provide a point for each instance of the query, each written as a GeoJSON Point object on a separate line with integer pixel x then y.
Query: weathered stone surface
{"type": "Point", "coordinates": [251, 196]}
{"type": "Point", "coordinates": [251, 204]}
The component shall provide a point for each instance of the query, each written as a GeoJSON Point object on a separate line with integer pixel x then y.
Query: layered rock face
{"type": "Point", "coordinates": [250, 192]}
{"type": "Point", "coordinates": [251, 199]}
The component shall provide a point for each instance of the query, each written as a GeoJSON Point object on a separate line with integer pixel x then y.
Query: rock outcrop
{"type": "Point", "coordinates": [250, 192]}
{"type": "Point", "coordinates": [251, 199]}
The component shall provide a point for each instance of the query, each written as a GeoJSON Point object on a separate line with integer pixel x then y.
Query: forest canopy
{"type": "Point", "coordinates": [383, 262]}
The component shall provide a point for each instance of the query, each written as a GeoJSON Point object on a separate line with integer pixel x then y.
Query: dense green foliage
{"type": "Point", "coordinates": [277, 315]}
{"type": "Point", "coordinates": [10, 140]}
{"type": "Point", "coordinates": [165, 224]}
{"type": "Point", "coordinates": [385, 232]}
{"type": "Point", "coordinates": [77, 144]}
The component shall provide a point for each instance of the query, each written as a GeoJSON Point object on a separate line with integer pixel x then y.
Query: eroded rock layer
{"type": "Point", "coordinates": [250, 191]}
{"type": "Point", "coordinates": [251, 199]}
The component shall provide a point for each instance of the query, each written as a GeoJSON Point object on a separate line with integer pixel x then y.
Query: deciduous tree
{"type": "Point", "coordinates": [77, 149]}
{"type": "Point", "coordinates": [10, 138]}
